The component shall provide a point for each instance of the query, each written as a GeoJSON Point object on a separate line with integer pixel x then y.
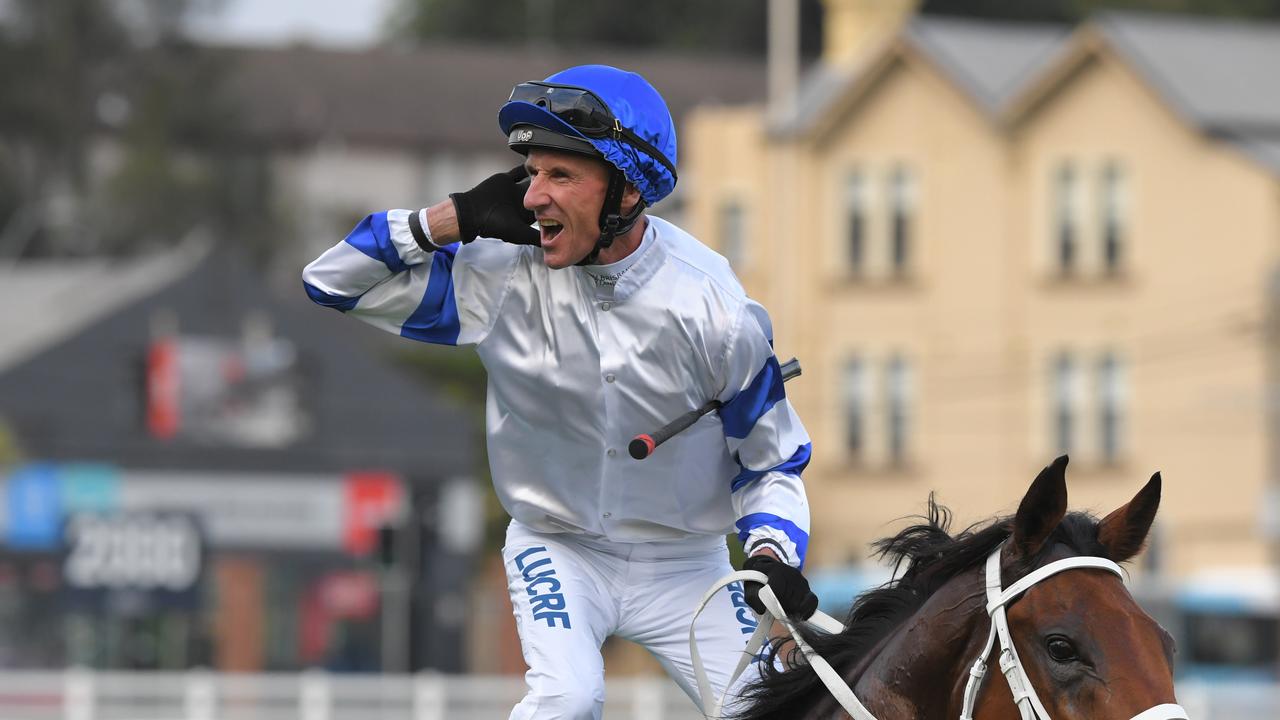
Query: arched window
{"type": "Point", "coordinates": [898, 407]}
{"type": "Point", "coordinates": [1065, 210]}
{"type": "Point", "coordinates": [1111, 407]}
{"type": "Point", "coordinates": [733, 233]}
{"type": "Point", "coordinates": [1114, 217]}
{"type": "Point", "coordinates": [902, 207]}
{"type": "Point", "coordinates": [855, 384]}
{"type": "Point", "coordinates": [855, 200]}
{"type": "Point", "coordinates": [1065, 414]}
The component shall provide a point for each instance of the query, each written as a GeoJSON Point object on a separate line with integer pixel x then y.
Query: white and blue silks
{"type": "Point", "coordinates": [576, 370]}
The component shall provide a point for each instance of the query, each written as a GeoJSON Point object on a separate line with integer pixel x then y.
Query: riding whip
{"type": "Point", "coordinates": [643, 445]}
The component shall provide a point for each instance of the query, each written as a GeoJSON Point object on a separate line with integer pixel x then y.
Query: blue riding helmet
{"type": "Point", "coordinates": [618, 113]}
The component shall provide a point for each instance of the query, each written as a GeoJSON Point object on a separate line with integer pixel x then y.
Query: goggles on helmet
{"type": "Point", "coordinates": [585, 112]}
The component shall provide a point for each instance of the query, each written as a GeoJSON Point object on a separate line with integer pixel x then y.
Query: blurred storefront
{"type": "Point", "coordinates": [209, 476]}
{"type": "Point", "coordinates": [137, 569]}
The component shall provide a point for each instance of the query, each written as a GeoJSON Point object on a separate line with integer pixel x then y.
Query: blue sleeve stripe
{"type": "Point", "coordinates": [337, 302]}
{"type": "Point", "coordinates": [373, 238]}
{"type": "Point", "coordinates": [750, 522]}
{"type": "Point", "coordinates": [740, 414]}
{"type": "Point", "coordinates": [793, 466]}
{"type": "Point", "coordinates": [436, 319]}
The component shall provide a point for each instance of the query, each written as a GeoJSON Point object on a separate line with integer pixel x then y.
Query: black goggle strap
{"type": "Point", "coordinates": [612, 222]}
{"type": "Point", "coordinates": [634, 139]}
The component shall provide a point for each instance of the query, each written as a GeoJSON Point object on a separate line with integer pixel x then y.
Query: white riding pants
{"type": "Point", "coordinates": [569, 593]}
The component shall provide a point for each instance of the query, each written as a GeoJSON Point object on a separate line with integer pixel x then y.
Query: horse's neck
{"type": "Point", "coordinates": [922, 666]}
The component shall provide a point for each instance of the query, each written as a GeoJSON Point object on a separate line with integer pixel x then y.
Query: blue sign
{"type": "Point", "coordinates": [34, 508]}
{"type": "Point", "coordinates": [86, 487]}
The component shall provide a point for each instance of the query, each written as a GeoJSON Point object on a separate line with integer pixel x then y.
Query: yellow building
{"type": "Point", "coordinates": [991, 243]}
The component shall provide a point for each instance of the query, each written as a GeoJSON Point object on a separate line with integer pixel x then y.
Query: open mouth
{"type": "Point", "coordinates": [550, 229]}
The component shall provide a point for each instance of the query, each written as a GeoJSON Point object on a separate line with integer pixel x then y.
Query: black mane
{"type": "Point", "coordinates": [932, 558]}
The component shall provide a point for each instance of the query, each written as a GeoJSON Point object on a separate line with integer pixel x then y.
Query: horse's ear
{"type": "Point", "coordinates": [1123, 532]}
{"type": "Point", "coordinates": [1041, 509]}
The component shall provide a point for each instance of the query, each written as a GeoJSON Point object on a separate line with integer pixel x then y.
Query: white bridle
{"type": "Point", "coordinates": [1029, 705]}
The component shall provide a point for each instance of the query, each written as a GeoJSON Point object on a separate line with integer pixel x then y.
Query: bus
{"type": "Point", "coordinates": [1227, 625]}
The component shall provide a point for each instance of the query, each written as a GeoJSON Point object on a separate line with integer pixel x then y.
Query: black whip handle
{"type": "Point", "coordinates": [643, 445]}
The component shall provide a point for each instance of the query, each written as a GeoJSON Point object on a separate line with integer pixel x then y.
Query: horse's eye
{"type": "Point", "coordinates": [1060, 648]}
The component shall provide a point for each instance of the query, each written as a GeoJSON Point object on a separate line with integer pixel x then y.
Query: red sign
{"type": "Point", "coordinates": [373, 499]}
{"type": "Point", "coordinates": [224, 391]}
{"type": "Point", "coordinates": [162, 389]}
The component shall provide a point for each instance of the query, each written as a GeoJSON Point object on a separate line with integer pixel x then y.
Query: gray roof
{"type": "Point", "coordinates": [822, 86]}
{"type": "Point", "coordinates": [1263, 149]}
{"type": "Point", "coordinates": [1222, 75]}
{"type": "Point", "coordinates": [444, 95]}
{"type": "Point", "coordinates": [50, 300]}
{"type": "Point", "coordinates": [991, 61]}
{"type": "Point", "coordinates": [1219, 75]}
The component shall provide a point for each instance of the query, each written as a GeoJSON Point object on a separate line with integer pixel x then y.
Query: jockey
{"type": "Point", "coordinates": [602, 322]}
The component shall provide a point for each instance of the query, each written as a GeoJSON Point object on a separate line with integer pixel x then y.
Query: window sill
{"type": "Point", "coordinates": [861, 470]}
{"type": "Point", "coordinates": [1118, 279]}
{"type": "Point", "coordinates": [905, 283]}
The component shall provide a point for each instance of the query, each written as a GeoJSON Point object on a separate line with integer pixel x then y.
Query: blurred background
{"type": "Point", "coordinates": [994, 231]}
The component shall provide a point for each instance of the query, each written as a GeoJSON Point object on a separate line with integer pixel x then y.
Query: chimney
{"type": "Point", "coordinates": [784, 57]}
{"type": "Point", "coordinates": [852, 27]}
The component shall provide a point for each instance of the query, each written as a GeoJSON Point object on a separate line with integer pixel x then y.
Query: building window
{"type": "Point", "coordinates": [854, 393]}
{"type": "Point", "coordinates": [855, 200]}
{"type": "Point", "coordinates": [898, 419]}
{"type": "Point", "coordinates": [902, 201]}
{"type": "Point", "coordinates": [1111, 407]}
{"type": "Point", "coordinates": [1114, 216]}
{"type": "Point", "coordinates": [1065, 416]}
{"type": "Point", "coordinates": [1065, 241]}
{"type": "Point", "coordinates": [733, 233]}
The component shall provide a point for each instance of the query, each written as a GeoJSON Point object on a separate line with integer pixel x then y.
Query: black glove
{"type": "Point", "coordinates": [787, 583]}
{"type": "Point", "coordinates": [495, 208]}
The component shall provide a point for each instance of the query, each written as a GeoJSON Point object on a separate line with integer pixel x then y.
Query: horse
{"type": "Point", "coordinates": [1084, 645]}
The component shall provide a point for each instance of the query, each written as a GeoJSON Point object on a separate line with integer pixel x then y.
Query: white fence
{"type": "Point", "coordinates": [82, 695]}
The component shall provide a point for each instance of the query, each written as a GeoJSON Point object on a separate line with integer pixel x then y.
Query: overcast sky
{"type": "Point", "coordinates": [333, 23]}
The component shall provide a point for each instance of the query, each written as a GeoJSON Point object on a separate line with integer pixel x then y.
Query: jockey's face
{"type": "Point", "coordinates": [566, 192]}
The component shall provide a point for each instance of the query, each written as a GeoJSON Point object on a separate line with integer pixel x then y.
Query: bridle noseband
{"type": "Point", "coordinates": [998, 597]}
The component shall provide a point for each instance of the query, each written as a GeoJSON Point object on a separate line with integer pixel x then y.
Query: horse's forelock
{"type": "Point", "coordinates": [1077, 534]}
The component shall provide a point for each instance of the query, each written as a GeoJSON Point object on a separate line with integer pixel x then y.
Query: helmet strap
{"type": "Point", "coordinates": [612, 222]}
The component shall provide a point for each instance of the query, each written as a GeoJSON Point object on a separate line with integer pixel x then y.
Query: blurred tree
{"type": "Point", "coordinates": [715, 26]}
{"type": "Point", "coordinates": [46, 110]}
{"type": "Point", "coordinates": [113, 135]}
{"type": "Point", "coordinates": [10, 451]}
{"type": "Point", "coordinates": [185, 163]}
{"type": "Point", "coordinates": [718, 26]}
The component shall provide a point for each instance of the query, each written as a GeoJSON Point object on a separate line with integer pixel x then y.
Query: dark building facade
{"type": "Point", "coordinates": [215, 474]}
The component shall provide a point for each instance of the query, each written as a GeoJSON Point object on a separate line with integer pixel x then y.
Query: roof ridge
{"type": "Point", "coordinates": [1185, 19]}
{"type": "Point", "coordinates": [993, 23]}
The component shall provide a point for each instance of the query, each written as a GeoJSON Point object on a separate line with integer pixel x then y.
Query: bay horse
{"type": "Point", "coordinates": [1085, 647]}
